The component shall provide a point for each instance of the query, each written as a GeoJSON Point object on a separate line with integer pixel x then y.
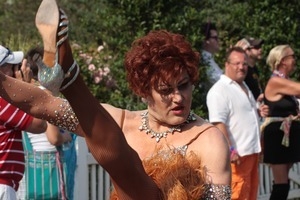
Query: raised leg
{"type": "Point", "coordinates": [103, 135]}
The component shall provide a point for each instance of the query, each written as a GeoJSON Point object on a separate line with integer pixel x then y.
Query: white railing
{"type": "Point", "coordinates": [92, 182]}
{"type": "Point", "coordinates": [266, 179]}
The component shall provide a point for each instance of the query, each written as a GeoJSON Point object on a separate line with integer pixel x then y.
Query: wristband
{"type": "Point", "coordinates": [233, 152]}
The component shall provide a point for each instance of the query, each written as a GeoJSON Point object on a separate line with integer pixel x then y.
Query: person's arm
{"type": "Point", "coordinates": [217, 162]}
{"type": "Point", "coordinates": [13, 117]}
{"type": "Point", "coordinates": [218, 114]}
{"type": "Point", "coordinates": [38, 103]}
{"type": "Point", "coordinates": [217, 159]}
{"type": "Point", "coordinates": [55, 137]}
{"type": "Point", "coordinates": [278, 87]}
{"type": "Point", "coordinates": [37, 126]}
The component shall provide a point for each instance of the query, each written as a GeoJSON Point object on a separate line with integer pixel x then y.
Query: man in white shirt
{"type": "Point", "coordinates": [232, 108]}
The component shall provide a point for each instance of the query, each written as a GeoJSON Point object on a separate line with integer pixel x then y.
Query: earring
{"type": "Point", "coordinates": [144, 100]}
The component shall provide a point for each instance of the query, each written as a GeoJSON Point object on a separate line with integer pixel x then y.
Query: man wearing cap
{"type": "Point", "coordinates": [12, 122]}
{"type": "Point", "coordinates": [11, 64]}
{"type": "Point", "coordinates": [253, 48]}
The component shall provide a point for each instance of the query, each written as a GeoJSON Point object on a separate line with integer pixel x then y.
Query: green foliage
{"type": "Point", "coordinates": [114, 24]}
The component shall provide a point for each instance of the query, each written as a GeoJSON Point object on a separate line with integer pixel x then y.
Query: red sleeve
{"type": "Point", "coordinates": [11, 116]}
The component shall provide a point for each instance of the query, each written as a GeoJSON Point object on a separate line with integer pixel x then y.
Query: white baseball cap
{"type": "Point", "coordinates": [11, 57]}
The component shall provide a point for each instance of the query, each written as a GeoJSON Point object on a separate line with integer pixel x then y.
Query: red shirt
{"type": "Point", "coordinates": [12, 122]}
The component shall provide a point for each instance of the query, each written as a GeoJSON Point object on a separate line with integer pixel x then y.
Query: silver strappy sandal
{"type": "Point", "coordinates": [52, 24]}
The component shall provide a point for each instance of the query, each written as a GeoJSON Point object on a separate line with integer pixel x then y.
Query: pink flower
{"type": "Point", "coordinates": [106, 71]}
{"type": "Point", "coordinates": [100, 72]}
{"type": "Point", "coordinates": [91, 67]}
{"type": "Point", "coordinates": [97, 79]}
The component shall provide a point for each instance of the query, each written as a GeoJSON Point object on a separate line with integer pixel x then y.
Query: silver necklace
{"type": "Point", "coordinates": [158, 135]}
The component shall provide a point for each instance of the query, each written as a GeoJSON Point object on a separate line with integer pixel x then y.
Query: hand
{"type": "Point", "coordinates": [263, 110]}
{"type": "Point", "coordinates": [26, 71]}
{"type": "Point", "coordinates": [234, 157]}
{"type": "Point", "coordinates": [23, 73]}
{"type": "Point", "coordinates": [17, 72]}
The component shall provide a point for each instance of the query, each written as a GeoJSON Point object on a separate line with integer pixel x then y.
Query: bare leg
{"type": "Point", "coordinates": [281, 172]}
{"type": "Point", "coordinates": [103, 136]}
{"type": "Point", "coordinates": [281, 183]}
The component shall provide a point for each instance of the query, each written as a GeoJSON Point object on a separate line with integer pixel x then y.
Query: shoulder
{"type": "Point", "coordinates": [212, 136]}
{"type": "Point", "coordinates": [213, 149]}
{"type": "Point", "coordinates": [218, 90]}
{"type": "Point", "coordinates": [209, 135]}
{"type": "Point", "coordinates": [122, 116]}
{"type": "Point", "coordinates": [223, 80]}
{"type": "Point", "coordinates": [13, 115]}
{"type": "Point", "coordinates": [276, 83]}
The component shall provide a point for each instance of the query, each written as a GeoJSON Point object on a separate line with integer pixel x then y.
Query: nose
{"type": "Point", "coordinates": [243, 64]}
{"type": "Point", "coordinates": [177, 95]}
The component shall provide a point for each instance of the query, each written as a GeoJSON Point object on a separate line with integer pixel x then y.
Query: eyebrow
{"type": "Point", "coordinates": [182, 80]}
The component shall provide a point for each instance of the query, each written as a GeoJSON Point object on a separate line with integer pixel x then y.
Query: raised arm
{"type": "Point", "coordinates": [278, 87]}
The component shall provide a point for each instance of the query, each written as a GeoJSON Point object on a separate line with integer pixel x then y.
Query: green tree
{"type": "Point", "coordinates": [114, 24]}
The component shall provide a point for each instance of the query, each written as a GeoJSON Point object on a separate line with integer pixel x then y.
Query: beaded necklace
{"type": "Point", "coordinates": [158, 135]}
{"type": "Point", "coordinates": [279, 74]}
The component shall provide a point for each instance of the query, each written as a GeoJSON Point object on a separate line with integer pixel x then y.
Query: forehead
{"type": "Point", "coordinates": [235, 55]}
{"type": "Point", "coordinates": [289, 50]}
{"type": "Point", "coordinates": [6, 65]}
{"type": "Point", "coordinates": [181, 77]}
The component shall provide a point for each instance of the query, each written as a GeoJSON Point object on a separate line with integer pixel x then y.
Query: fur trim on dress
{"type": "Point", "coordinates": [177, 176]}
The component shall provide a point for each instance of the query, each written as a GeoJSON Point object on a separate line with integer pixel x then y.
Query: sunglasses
{"type": "Point", "coordinates": [6, 55]}
{"type": "Point", "coordinates": [291, 55]}
{"type": "Point", "coordinates": [255, 47]}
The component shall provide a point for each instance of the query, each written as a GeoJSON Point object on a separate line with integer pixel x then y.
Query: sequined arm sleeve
{"type": "Point", "coordinates": [38, 103]}
{"type": "Point", "coordinates": [217, 192]}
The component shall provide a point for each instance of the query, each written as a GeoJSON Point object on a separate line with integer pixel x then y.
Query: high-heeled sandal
{"type": "Point", "coordinates": [52, 24]}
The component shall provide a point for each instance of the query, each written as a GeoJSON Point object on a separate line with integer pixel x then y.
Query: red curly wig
{"type": "Point", "coordinates": [160, 56]}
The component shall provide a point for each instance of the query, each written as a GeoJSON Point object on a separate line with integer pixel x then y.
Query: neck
{"type": "Point", "coordinates": [280, 73]}
{"type": "Point", "coordinates": [208, 49]}
{"type": "Point", "coordinates": [251, 62]}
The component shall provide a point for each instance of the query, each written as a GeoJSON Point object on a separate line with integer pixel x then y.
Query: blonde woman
{"type": "Point", "coordinates": [281, 138]}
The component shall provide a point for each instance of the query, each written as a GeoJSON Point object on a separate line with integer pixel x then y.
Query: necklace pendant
{"type": "Point", "coordinates": [157, 139]}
